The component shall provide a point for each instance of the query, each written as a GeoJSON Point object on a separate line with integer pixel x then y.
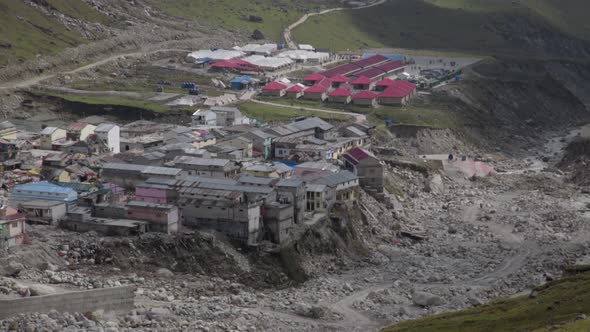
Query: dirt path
{"type": "Point", "coordinates": [287, 33]}
{"type": "Point", "coordinates": [359, 118]}
{"type": "Point", "coordinates": [38, 79]}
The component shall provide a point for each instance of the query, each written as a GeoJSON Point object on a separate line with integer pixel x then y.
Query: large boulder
{"type": "Point", "coordinates": [258, 35]}
{"type": "Point", "coordinates": [162, 272]}
{"type": "Point", "coordinates": [424, 299]}
{"type": "Point", "coordinates": [40, 290]}
{"type": "Point", "coordinates": [434, 184]}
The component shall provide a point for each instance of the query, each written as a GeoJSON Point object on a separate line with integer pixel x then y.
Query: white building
{"type": "Point", "coordinates": [49, 135]}
{"type": "Point", "coordinates": [261, 49]}
{"type": "Point", "coordinates": [204, 118]}
{"type": "Point", "coordinates": [305, 56]}
{"type": "Point", "coordinates": [269, 63]}
{"type": "Point", "coordinates": [110, 134]}
{"type": "Point", "coordinates": [214, 54]}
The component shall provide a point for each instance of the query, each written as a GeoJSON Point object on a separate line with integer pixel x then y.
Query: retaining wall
{"type": "Point", "coordinates": [108, 299]}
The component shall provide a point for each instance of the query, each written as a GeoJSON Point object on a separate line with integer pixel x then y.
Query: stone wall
{"type": "Point", "coordinates": [108, 299]}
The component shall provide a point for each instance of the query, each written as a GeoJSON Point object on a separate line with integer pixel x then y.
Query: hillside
{"type": "Point", "coordinates": [561, 305]}
{"type": "Point", "coordinates": [26, 32]}
{"type": "Point", "coordinates": [490, 27]}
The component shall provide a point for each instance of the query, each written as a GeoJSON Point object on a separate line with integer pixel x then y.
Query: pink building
{"type": "Point", "coordinates": [155, 193]}
{"type": "Point", "coordinates": [12, 227]}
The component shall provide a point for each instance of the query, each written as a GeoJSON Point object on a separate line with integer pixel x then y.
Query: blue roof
{"type": "Point", "coordinates": [245, 79]}
{"type": "Point", "coordinates": [45, 187]}
{"type": "Point", "coordinates": [390, 56]}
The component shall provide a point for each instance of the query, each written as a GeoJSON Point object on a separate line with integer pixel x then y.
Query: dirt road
{"type": "Point", "coordinates": [287, 33]}
{"type": "Point", "coordinates": [359, 118]}
{"type": "Point", "coordinates": [38, 79]}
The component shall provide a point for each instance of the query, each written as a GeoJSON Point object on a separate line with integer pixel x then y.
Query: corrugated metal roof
{"type": "Point", "coordinates": [196, 161]}
{"type": "Point", "coordinates": [334, 179]}
{"type": "Point", "coordinates": [161, 170]}
{"type": "Point", "coordinates": [122, 166]}
{"type": "Point", "coordinates": [150, 205]}
{"type": "Point", "coordinates": [44, 187]}
{"type": "Point", "coordinates": [248, 179]}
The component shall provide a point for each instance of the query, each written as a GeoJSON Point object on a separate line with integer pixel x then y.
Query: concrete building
{"type": "Point", "coordinates": [317, 92]}
{"type": "Point", "coordinates": [216, 168]}
{"type": "Point", "coordinates": [344, 183]}
{"type": "Point", "coordinates": [50, 135]}
{"type": "Point", "coordinates": [12, 227]}
{"type": "Point", "coordinates": [7, 130]}
{"type": "Point", "coordinates": [204, 118]}
{"type": "Point", "coordinates": [313, 79]}
{"type": "Point", "coordinates": [367, 167]}
{"type": "Point", "coordinates": [110, 134]}
{"type": "Point", "coordinates": [79, 131]}
{"type": "Point", "coordinates": [261, 142]}
{"type": "Point", "coordinates": [245, 144]}
{"type": "Point", "coordinates": [278, 219]}
{"type": "Point", "coordinates": [361, 83]}
{"type": "Point", "coordinates": [156, 190]}
{"type": "Point", "coordinates": [219, 117]}
{"type": "Point", "coordinates": [141, 143]}
{"type": "Point", "coordinates": [43, 211]}
{"type": "Point", "coordinates": [129, 175]}
{"type": "Point", "coordinates": [226, 211]}
{"type": "Point", "coordinates": [161, 218]}
{"type": "Point", "coordinates": [318, 197]}
{"type": "Point", "coordinates": [142, 128]}
{"type": "Point", "coordinates": [41, 191]}
{"type": "Point", "coordinates": [292, 191]}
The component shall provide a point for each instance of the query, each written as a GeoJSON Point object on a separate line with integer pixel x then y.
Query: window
{"type": "Point", "coordinates": [14, 225]}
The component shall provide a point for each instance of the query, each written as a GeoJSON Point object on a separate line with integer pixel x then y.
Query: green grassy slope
{"type": "Point", "coordinates": [233, 14]}
{"type": "Point", "coordinates": [26, 32]}
{"type": "Point", "coordinates": [480, 26]}
{"type": "Point", "coordinates": [557, 303]}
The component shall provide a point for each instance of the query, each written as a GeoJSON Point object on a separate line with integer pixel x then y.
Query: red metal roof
{"type": "Point", "coordinates": [366, 94]}
{"type": "Point", "coordinates": [371, 61]}
{"type": "Point", "coordinates": [340, 92]}
{"type": "Point", "coordinates": [295, 88]}
{"type": "Point", "coordinates": [344, 69]}
{"type": "Point", "coordinates": [399, 89]}
{"type": "Point", "coordinates": [355, 155]}
{"type": "Point", "coordinates": [316, 88]}
{"type": "Point", "coordinates": [314, 77]}
{"type": "Point", "coordinates": [370, 73]}
{"type": "Point", "coordinates": [385, 82]}
{"type": "Point", "coordinates": [236, 64]}
{"type": "Point", "coordinates": [361, 80]}
{"type": "Point", "coordinates": [391, 66]}
{"type": "Point", "coordinates": [274, 86]}
{"type": "Point", "coordinates": [339, 79]}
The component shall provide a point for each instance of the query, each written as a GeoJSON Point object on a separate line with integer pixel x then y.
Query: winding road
{"type": "Point", "coordinates": [287, 33]}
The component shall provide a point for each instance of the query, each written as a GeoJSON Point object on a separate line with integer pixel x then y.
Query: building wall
{"type": "Point", "coordinates": [294, 95]}
{"type": "Point", "coordinates": [107, 299]}
{"type": "Point", "coordinates": [87, 131]}
{"type": "Point", "coordinates": [113, 139]}
{"type": "Point", "coordinates": [364, 102]}
{"type": "Point", "coordinates": [240, 222]}
{"type": "Point", "coordinates": [342, 100]}
{"type": "Point", "coordinates": [391, 101]}
{"type": "Point", "coordinates": [370, 173]}
{"type": "Point", "coordinates": [314, 96]}
{"type": "Point", "coordinates": [52, 213]}
{"type": "Point", "coordinates": [152, 195]}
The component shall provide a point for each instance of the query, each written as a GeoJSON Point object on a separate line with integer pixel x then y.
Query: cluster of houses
{"type": "Point", "coordinates": [363, 82]}
{"type": "Point", "coordinates": [218, 173]}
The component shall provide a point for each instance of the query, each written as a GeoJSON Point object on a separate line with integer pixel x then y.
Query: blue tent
{"type": "Point", "coordinates": [240, 82]}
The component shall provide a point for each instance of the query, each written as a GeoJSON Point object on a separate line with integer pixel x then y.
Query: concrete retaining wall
{"type": "Point", "coordinates": [108, 299]}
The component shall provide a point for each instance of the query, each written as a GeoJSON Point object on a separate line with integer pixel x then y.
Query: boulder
{"type": "Point", "coordinates": [424, 299]}
{"type": "Point", "coordinates": [39, 290]}
{"type": "Point", "coordinates": [258, 35]}
{"type": "Point", "coordinates": [434, 184]}
{"type": "Point", "coordinates": [13, 268]}
{"type": "Point", "coordinates": [162, 272]}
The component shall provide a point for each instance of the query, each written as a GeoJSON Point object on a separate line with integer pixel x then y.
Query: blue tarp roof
{"type": "Point", "coordinates": [245, 79]}
{"type": "Point", "coordinates": [390, 56]}
{"type": "Point", "coordinates": [45, 187]}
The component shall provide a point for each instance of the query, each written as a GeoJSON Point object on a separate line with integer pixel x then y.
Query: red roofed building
{"type": "Point", "coordinates": [338, 80]}
{"type": "Point", "coordinates": [371, 73]}
{"type": "Point", "coordinates": [392, 67]}
{"type": "Point", "coordinates": [236, 65]}
{"type": "Point", "coordinates": [384, 84]}
{"type": "Point", "coordinates": [361, 83]}
{"type": "Point", "coordinates": [398, 93]}
{"type": "Point", "coordinates": [340, 95]}
{"type": "Point", "coordinates": [314, 78]}
{"type": "Point", "coordinates": [274, 89]}
{"type": "Point", "coordinates": [317, 91]}
{"type": "Point", "coordinates": [366, 166]}
{"type": "Point", "coordinates": [364, 98]}
{"type": "Point", "coordinates": [295, 91]}
{"type": "Point", "coordinates": [371, 61]}
{"type": "Point", "coordinates": [345, 69]}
